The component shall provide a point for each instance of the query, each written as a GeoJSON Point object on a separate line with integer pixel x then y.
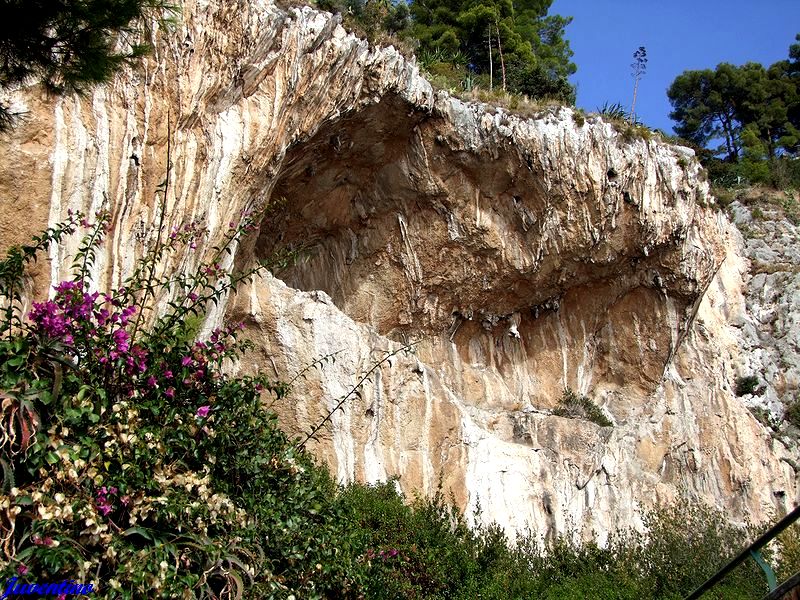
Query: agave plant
{"type": "Point", "coordinates": [618, 112]}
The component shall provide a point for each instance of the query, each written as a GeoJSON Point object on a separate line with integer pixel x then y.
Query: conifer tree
{"type": "Point", "coordinates": [69, 45]}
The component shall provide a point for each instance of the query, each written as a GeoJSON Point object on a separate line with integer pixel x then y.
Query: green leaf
{"type": "Point", "coordinates": [141, 531]}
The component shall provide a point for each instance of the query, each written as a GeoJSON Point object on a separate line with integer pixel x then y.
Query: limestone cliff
{"type": "Point", "coordinates": [523, 255]}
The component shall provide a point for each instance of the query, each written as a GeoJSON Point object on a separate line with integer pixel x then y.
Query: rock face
{"type": "Point", "coordinates": [768, 324]}
{"type": "Point", "coordinates": [522, 256]}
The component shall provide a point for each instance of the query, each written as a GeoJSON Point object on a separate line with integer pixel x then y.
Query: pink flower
{"type": "Point", "coordinates": [122, 340]}
{"type": "Point", "coordinates": [170, 393]}
{"type": "Point", "coordinates": [186, 361]}
{"type": "Point", "coordinates": [22, 570]}
{"type": "Point", "coordinates": [202, 412]}
{"type": "Point", "coordinates": [151, 381]}
{"type": "Point", "coordinates": [192, 296]}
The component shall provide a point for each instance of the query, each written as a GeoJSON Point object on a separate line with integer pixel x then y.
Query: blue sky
{"type": "Point", "coordinates": [678, 35]}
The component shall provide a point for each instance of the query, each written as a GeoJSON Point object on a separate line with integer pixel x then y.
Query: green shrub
{"type": "Point", "coordinates": [131, 459]}
{"type": "Point", "coordinates": [580, 407]}
{"type": "Point", "coordinates": [763, 416]}
{"type": "Point", "coordinates": [746, 385]}
{"type": "Point", "coordinates": [792, 414]}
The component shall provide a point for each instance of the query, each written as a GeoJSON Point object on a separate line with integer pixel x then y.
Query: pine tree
{"type": "Point", "coordinates": [527, 44]}
{"type": "Point", "coordinates": [69, 45]}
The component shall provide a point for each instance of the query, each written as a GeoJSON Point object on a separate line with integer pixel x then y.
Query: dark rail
{"type": "Point", "coordinates": [751, 550]}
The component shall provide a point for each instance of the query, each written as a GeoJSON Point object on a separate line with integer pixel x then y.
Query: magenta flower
{"type": "Point", "coordinates": [170, 393]}
{"type": "Point", "coordinates": [103, 505]}
{"type": "Point", "coordinates": [22, 570]}
{"type": "Point", "coordinates": [122, 340]}
{"type": "Point", "coordinates": [202, 412]}
{"type": "Point", "coordinates": [186, 361]}
{"type": "Point", "coordinates": [167, 374]}
{"type": "Point", "coordinates": [127, 312]}
{"type": "Point", "coordinates": [192, 296]}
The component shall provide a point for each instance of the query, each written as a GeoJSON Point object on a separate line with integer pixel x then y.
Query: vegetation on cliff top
{"type": "Point", "coordinates": [496, 46]}
{"type": "Point", "coordinates": [743, 120]}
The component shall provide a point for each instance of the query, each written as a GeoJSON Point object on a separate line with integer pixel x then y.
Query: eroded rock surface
{"type": "Point", "coordinates": [522, 255]}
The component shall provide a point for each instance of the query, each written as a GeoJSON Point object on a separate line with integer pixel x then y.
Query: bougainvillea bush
{"type": "Point", "coordinates": [131, 460]}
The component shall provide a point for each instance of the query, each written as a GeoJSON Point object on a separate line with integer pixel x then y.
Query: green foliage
{"type": "Point", "coordinates": [788, 548]}
{"type": "Point", "coordinates": [686, 544]}
{"type": "Point", "coordinates": [752, 109]}
{"type": "Point", "coordinates": [763, 416]}
{"type": "Point", "coordinates": [522, 47]}
{"type": "Point", "coordinates": [746, 385]}
{"type": "Point", "coordinates": [792, 414]}
{"type": "Point", "coordinates": [133, 460]}
{"type": "Point", "coordinates": [71, 45]}
{"type": "Point", "coordinates": [616, 112]}
{"type": "Point", "coordinates": [580, 407]}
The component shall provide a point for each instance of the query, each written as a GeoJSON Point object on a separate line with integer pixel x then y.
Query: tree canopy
{"type": "Point", "coordinates": [753, 110]}
{"type": "Point", "coordinates": [511, 44]}
{"type": "Point", "coordinates": [515, 38]}
{"type": "Point", "coordinates": [68, 45]}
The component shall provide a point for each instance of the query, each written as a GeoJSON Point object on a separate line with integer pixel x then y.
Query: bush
{"type": "Point", "coordinates": [580, 407]}
{"type": "Point", "coordinates": [792, 414]}
{"type": "Point", "coordinates": [131, 458]}
{"type": "Point", "coordinates": [746, 385]}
